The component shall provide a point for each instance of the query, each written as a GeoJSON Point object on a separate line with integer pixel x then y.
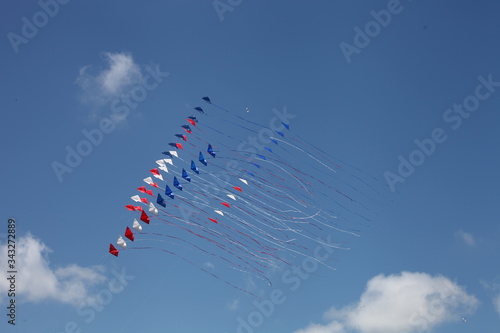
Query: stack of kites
{"type": "Point", "coordinates": [246, 195]}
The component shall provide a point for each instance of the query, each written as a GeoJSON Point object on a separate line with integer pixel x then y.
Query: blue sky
{"type": "Point", "coordinates": [429, 257]}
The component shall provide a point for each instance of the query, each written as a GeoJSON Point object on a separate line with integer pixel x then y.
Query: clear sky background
{"type": "Point", "coordinates": [428, 261]}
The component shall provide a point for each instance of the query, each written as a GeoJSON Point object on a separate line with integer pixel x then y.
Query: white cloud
{"type": "Point", "coordinates": [333, 327]}
{"type": "Point", "coordinates": [210, 265]}
{"type": "Point", "coordinates": [37, 281]}
{"type": "Point", "coordinates": [403, 303]}
{"type": "Point", "coordinates": [493, 288]}
{"type": "Point", "coordinates": [121, 72]}
{"type": "Point", "coordinates": [234, 305]}
{"type": "Point", "coordinates": [466, 237]}
{"type": "Point", "coordinates": [496, 303]}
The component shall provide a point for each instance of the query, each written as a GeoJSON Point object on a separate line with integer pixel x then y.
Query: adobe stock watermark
{"type": "Point", "coordinates": [87, 312]}
{"type": "Point", "coordinates": [120, 109]}
{"type": "Point", "coordinates": [222, 6]}
{"type": "Point", "coordinates": [454, 117]}
{"type": "Point", "coordinates": [293, 278]}
{"type": "Point", "coordinates": [30, 28]}
{"type": "Point", "coordinates": [373, 28]}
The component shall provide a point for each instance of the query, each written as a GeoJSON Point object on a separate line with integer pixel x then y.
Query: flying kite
{"type": "Point", "coordinates": [264, 198]}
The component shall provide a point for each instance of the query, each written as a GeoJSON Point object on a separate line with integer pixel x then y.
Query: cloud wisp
{"type": "Point", "coordinates": [120, 74]}
{"type": "Point", "coordinates": [466, 237]}
{"type": "Point", "coordinates": [493, 288]}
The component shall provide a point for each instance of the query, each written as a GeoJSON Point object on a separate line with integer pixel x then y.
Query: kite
{"type": "Point", "coordinates": [286, 196]}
